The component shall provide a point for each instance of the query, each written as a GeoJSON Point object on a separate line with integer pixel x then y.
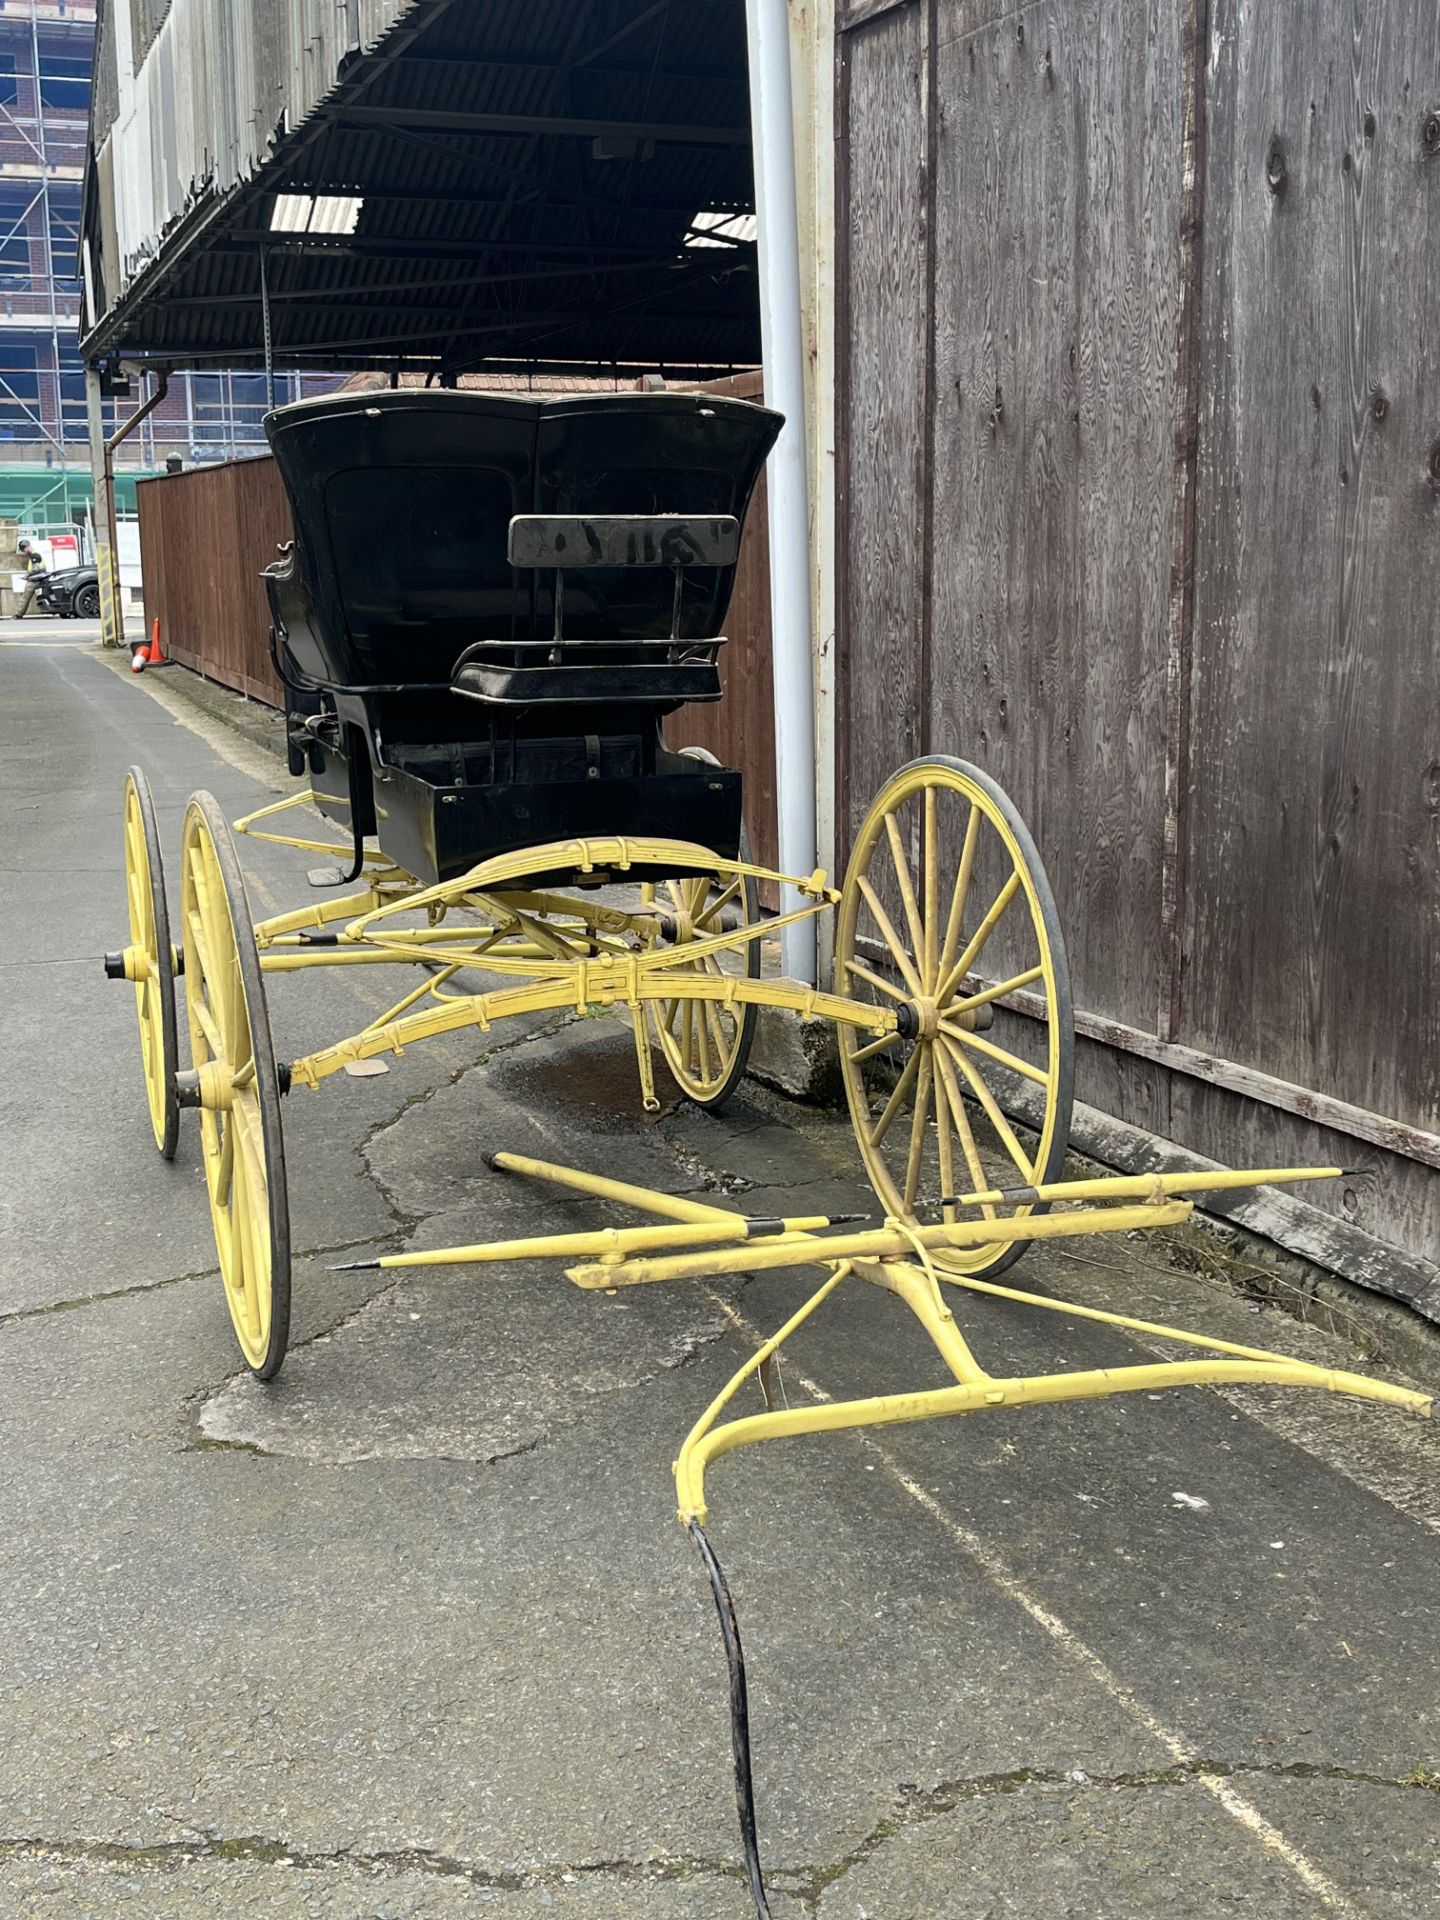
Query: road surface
{"type": "Point", "coordinates": [414, 1633]}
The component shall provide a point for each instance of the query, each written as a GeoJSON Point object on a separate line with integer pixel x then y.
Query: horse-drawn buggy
{"type": "Point", "coordinates": [492, 612]}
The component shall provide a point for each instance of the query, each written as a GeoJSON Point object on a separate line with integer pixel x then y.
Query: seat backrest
{"type": "Point", "coordinates": [652, 453]}
{"type": "Point", "coordinates": [402, 502]}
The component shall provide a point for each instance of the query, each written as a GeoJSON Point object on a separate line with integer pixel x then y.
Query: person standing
{"type": "Point", "coordinates": [35, 576]}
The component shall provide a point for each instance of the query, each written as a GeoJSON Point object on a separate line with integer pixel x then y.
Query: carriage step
{"type": "Point", "coordinates": [326, 876]}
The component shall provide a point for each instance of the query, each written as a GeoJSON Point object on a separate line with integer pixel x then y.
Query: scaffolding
{"type": "Point", "coordinates": [46, 55]}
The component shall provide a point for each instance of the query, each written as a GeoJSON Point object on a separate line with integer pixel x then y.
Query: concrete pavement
{"type": "Point", "coordinates": [413, 1631]}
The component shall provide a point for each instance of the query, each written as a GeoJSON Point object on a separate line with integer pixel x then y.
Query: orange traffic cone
{"type": "Point", "coordinates": [155, 651]}
{"type": "Point", "coordinates": [140, 659]}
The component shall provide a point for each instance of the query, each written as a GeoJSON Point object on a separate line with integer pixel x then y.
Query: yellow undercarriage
{"type": "Point", "coordinates": [550, 951]}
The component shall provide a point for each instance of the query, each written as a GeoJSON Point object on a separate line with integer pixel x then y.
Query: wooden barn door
{"type": "Point", "coordinates": [1139, 509]}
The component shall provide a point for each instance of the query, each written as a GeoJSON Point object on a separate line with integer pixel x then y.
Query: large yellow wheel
{"type": "Point", "coordinates": [947, 917]}
{"type": "Point", "coordinates": [706, 1043]}
{"type": "Point", "coordinates": [235, 1085]}
{"type": "Point", "coordinates": [150, 961]}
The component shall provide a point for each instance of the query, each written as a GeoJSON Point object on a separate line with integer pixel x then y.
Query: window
{"type": "Point", "coordinates": [20, 216]}
{"type": "Point", "coordinates": [19, 390]}
{"type": "Point", "coordinates": [9, 84]}
{"type": "Point", "coordinates": [65, 82]}
{"type": "Point", "coordinates": [64, 233]}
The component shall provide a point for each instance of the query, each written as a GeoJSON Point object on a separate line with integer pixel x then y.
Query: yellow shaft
{"type": "Point", "coordinates": [603, 1242]}
{"type": "Point", "coordinates": [1036, 1390]}
{"type": "Point", "coordinates": [883, 1243]}
{"type": "Point", "coordinates": [672, 1206]}
{"type": "Point", "coordinates": [1146, 1186]}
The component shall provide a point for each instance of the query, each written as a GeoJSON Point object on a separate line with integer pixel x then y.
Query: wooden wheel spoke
{"type": "Point", "coordinates": [702, 1029]}
{"type": "Point", "coordinates": [956, 918]}
{"type": "Point", "coordinates": [999, 1055]}
{"type": "Point", "coordinates": [916, 1156]}
{"type": "Point", "coordinates": [244, 1257]}
{"type": "Point", "coordinates": [716, 1029]}
{"type": "Point", "coordinates": [135, 900]}
{"type": "Point", "coordinates": [719, 903]}
{"type": "Point", "coordinates": [873, 1047]}
{"type": "Point", "coordinates": [982, 933]}
{"type": "Point", "coordinates": [890, 936]}
{"type": "Point", "coordinates": [992, 1111]}
{"type": "Point", "coordinates": [863, 972]}
{"type": "Point", "coordinates": [907, 888]}
{"type": "Point", "coordinates": [931, 954]}
{"type": "Point", "coordinates": [897, 1099]}
{"type": "Point", "coordinates": [942, 1141]}
{"type": "Point", "coordinates": [967, 1135]}
{"type": "Point", "coordinates": [245, 1123]}
{"type": "Point", "coordinates": [225, 1167]}
{"type": "Point", "coordinates": [1000, 991]}
{"type": "Point", "coordinates": [214, 942]}
{"type": "Point", "coordinates": [195, 927]}
{"type": "Point", "coordinates": [205, 1020]}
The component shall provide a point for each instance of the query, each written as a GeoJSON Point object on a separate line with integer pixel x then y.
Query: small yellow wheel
{"type": "Point", "coordinates": [947, 914]}
{"type": "Point", "coordinates": [236, 1087]}
{"type": "Point", "coordinates": [707, 1044]}
{"type": "Point", "coordinates": [150, 961]}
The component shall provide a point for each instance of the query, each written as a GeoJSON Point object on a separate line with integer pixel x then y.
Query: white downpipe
{"type": "Point", "coordinates": [778, 244]}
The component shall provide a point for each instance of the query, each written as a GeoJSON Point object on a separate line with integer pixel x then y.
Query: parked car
{"type": "Point", "coordinates": [73, 593]}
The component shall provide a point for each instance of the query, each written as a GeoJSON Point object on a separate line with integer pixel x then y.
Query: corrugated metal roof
{"type": "Point", "coordinates": [528, 172]}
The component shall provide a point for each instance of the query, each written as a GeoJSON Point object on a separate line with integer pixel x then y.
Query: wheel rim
{"type": "Point", "coordinates": [705, 1042]}
{"type": "Point", "coordinates": [946, 907]}
{"type": "Point", "coordinates": [230, 1046]}
{"type": "Point", "coordinates": [149, 920]}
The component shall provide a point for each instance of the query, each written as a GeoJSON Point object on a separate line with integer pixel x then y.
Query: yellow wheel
{"type": "Point", "coordinates": [946, 916]}
{"type": "Point", "coordinates": [236, 1087]}
{"type": "Point", "coordinates": [150, 961]}
{"type": "Point", "coordinates": [707, 1044]}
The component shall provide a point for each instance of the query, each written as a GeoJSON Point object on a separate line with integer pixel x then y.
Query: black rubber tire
{"type": "Point", "coordinates": [267, 1081]}
{"type": "Point", "coordinates": [167, 1134]}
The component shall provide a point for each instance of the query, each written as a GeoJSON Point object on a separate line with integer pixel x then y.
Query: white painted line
{"type": "Point", "coordinates": [1182, 1751]}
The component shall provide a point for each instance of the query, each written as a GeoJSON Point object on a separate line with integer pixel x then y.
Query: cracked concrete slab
{"type": "Point", "coordinates": [1378, 1842]}
{"type": "Point", "coordinates": [264, 1879]}
{"type": "Point", "coordinates": [1095, 1851]}
{"type": "Point", "coordinates": [523, 1354]}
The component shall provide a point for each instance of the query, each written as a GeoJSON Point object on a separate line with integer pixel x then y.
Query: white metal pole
{"type": "Point", "coordinates": [102, 517]}
{"type": "Point", "coordinates": [773, 141]}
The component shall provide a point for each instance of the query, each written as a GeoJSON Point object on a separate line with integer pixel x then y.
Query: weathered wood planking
{"type": "Point", "coordinates": [1313, 912]}
{"type": "Point", "coordinates": [1056, 316]}
{"type": "Point", "coordinates": [882, 344]}
{"type": "Point", "coordinates": [1396, 1199]}
{"type": "Point", "coordinates": [205, 535]}
{"type": "Point", "coordinates": [1174, 328]}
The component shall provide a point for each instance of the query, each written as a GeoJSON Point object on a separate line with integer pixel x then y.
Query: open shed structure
{"type": "Point", "coordinates": [423, 183]}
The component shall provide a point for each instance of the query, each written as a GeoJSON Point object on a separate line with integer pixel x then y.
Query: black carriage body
{"type": "Point", "coordinates": [402, 503]}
